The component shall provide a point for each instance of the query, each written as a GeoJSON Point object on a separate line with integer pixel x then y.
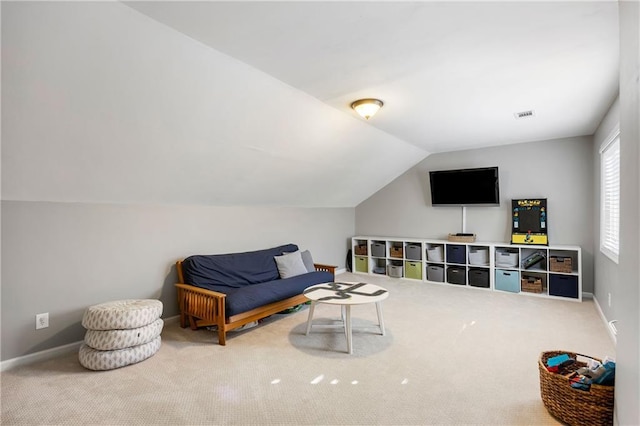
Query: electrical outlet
{"type": "Point", "coordinates": [609, 300]}
{"type": "Point", "coordinates": [42, 320]}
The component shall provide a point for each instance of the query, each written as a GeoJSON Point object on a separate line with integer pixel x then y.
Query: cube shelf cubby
{"type": "Point", "coordinates": [543, 271]}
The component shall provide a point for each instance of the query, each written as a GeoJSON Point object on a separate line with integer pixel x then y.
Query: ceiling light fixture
{"type": "Point", "coordinates": [367, 107]}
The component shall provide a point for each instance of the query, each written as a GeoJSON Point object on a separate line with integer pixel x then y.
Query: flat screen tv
{"type": "Point", "coordinates": [465, 187]}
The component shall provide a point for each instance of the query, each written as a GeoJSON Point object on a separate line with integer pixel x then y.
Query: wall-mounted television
{"type": "Point", "coordinates": [465, 187]}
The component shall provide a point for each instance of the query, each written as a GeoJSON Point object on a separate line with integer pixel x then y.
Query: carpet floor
{"type": "Point", "coordinates": [450, 356]}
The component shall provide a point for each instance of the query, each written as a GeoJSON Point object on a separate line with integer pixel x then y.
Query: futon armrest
{"type": "Point", "coordinates": [204, 291]}
{"type": "Point", "coordinates": [201, 307]}
{"type": "Point", "coordinates": [328, 268]}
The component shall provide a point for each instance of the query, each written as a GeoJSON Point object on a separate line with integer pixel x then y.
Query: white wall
{"type": "Point", "coordinates": [627, 288]}
{"type": "Point", "coordinates": [559, 170]}
{"type": "Point", "coordinates": [122, 143]}
{"type": "Point", "coordinates": [63, 257]}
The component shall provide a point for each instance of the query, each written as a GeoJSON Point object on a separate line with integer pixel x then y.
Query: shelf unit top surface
{"type": "Point", "coordinates": [475, 243]}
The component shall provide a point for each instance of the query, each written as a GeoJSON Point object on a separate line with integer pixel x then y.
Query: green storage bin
{"type": "Point", "coordinates": [362, 264]}
{"type": "Point", "coordinates": [413, 270]}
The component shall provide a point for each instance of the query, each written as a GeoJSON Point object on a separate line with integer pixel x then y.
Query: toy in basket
{"type": "Point", "coordinates": [577, 404]}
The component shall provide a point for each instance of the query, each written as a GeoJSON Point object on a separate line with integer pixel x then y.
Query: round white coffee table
{"type": "Point", "coordinates": [346, 294]}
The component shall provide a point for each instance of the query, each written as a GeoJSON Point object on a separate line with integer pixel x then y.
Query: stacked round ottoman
{"type": "Point", "coordinates": [120, 333]}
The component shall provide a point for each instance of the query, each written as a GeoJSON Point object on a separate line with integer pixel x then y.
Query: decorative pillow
{"type": "Point", "coordinates": [308, 261]}
{"type": "Point", "coordinates": [290, 265]}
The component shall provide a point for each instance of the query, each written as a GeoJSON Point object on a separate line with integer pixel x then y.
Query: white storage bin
{"type": "Point", "coordinates": [478, 256]}
{"type": "Point", "coordinates": [394, 271]}
{"type": "Point", "coordinates": [435, 254]}
{"type": "Point", "coordinates": [506, 259]}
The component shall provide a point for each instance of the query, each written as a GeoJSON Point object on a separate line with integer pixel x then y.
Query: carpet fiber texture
{"type": "Point", "coordinates": [450, 356]}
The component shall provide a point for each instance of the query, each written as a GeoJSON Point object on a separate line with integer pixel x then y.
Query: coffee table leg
{"type": "Point", "coordinates": [311, 308]}
{"type": "Point", "coordinates": [380, 318]}
{"type": "Point", "coordinates": [348, 329]}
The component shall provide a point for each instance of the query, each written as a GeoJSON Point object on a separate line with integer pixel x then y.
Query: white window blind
{"type": "Point", "coordinates": [610, 197]}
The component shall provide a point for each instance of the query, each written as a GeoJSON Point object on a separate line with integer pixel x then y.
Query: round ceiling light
{"type": "Point", "coordinates": [367, 107]}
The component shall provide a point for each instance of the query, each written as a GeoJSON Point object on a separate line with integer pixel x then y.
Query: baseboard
{"type": "Point", "coordinates": [171, 320]}
{"type": "Point", "coordinates": [57, 351]}
{"type": "Point", "coordinates": [606, 322]}
{"type": "Point", "coordinates": [40, 356]}
{"type": "Point", "coordinates": [341, 271]}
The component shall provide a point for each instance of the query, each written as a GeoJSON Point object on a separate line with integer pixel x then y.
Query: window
{"type": "Point", "coordinates": [610, 196]}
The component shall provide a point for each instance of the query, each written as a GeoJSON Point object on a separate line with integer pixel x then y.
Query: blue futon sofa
{"type": "Point", "coordinates": [231, 290]}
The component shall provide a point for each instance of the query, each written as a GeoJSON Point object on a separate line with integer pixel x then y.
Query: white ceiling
{"type": "Point", "coordinates": [451, 74]}
{"type": "Point", "coordinates": [102, 104]}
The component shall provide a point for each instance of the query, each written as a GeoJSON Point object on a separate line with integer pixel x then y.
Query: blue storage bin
{"type": "Point", "coordinates": [457, 253]}
{"type": "Point", "coordinates": [507, 281]}
{"type": "Point", "coordinates": [563, 285]}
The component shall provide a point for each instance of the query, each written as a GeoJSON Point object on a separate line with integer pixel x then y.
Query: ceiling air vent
{"type": "Point", "coordinates": [524, 114]}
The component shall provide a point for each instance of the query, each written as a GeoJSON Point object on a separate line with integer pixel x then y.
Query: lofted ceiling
{"type": "Point", "coordinates": [452, 75]}
{"type": "Point", "coordinates": [248, 103]}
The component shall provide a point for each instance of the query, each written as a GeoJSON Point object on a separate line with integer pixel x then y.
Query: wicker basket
{"type": "Point", "coordinates": [461, 238]}
{"type": "Point", "coordinates": [395, 252]}
{"type": "Point", "coordinates": [531, 284]}
{"type": "Point", "coordinates": [560, 264]}
{"type": "Point", "coordinates": [574, 406]}
{"type": "Point", "coordinates": [360, 250]}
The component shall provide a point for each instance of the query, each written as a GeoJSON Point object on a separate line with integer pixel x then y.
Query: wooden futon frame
{"type": "Point", "coordinates": [204, 308]}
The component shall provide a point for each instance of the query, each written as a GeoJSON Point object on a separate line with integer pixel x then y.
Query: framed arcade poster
{"type": "Point", "coordinates": [529, 221]}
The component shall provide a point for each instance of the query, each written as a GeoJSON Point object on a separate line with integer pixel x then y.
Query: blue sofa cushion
{"type": "Point", "coordinates": [250, 297]}
{"type": "Point", "coordinates": [235, 270]}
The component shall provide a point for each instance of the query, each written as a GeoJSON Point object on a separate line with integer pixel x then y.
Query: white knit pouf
{"type": "Point", "coordinates": [122, 314]}
{"type": "Point", "coordinates": [108, 340]}
{"type": "Point", "coordinates": [94, 359]}
{"type": "Point", "coordinates": [120, 333]}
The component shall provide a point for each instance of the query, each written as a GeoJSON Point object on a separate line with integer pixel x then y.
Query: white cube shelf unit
{"type": "Point", "coordinates": [543, 271]}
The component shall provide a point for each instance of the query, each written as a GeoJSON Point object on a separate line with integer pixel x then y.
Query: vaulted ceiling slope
{"type": "Point", "coordinates": [102, 104]}
{"type": "Point", "coordinates": [452, 74]}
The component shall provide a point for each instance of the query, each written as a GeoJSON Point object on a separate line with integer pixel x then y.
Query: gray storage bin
{"type": "Point", "coordinates": [478, 256]}
{"type": "Point", "coordinates": [378, 249]}
{"type": "Point", "coordinates": [379, 270]}
{"type": "Point", "coordinates": [394, 271]}
{"type": "Point", "coordinates": [435, 273]}
{"type": "Point", "coordinates": [413, 252]}
{"type": "Point", "coordinates": [506, 259]}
